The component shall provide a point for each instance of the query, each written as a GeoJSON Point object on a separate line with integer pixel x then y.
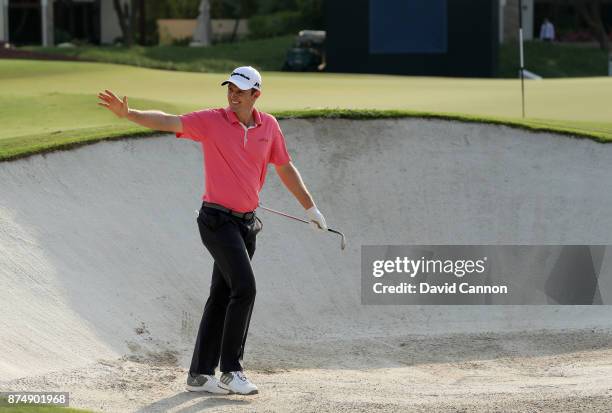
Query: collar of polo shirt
{"type": "Point", "coordinates": [234, 119]}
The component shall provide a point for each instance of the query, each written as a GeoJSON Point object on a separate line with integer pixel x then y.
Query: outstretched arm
{"type": "Point", "coordinates": [153, 119]}
{"type": "Point", "coordinates": [291, 178]}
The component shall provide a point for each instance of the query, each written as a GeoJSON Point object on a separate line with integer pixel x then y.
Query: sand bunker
{"type": "Point", "coordinates": [102, 262]}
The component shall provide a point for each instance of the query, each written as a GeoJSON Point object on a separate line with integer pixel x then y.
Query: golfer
{"type": "Point", "coordinates": [238, 143]}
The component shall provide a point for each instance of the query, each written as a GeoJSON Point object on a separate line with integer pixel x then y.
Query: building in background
{"type": "Point", "coordinates": [48, 22]}
{"type": "Point", "coordinates": [172, 30]}
{"type": "Point", "coordinates": [3, 21]}
{"type": "Point", "coordinates": [509, 19]}
{"type": "Point", "coordinates": [417, 37]}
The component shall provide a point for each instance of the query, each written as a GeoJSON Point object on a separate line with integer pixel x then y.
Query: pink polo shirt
{"type": "Point", "coordinates": [235, 159]}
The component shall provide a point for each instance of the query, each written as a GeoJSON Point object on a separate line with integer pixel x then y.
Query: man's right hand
{"type": "Point", "coordinates": [113, 103]}
{"type": "Point", "coordinates": [152, 119]}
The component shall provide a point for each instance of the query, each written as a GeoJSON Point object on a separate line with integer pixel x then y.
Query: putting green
{"type": "Point", "coordinates": [44, 104]}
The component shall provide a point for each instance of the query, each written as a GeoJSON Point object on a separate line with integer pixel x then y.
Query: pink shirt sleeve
{"type": "Point", "coordinates": [278, 152]}
{"type": "Point", "coordinates": [196, 125]}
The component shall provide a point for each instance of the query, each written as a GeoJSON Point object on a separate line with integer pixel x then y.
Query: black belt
{"type": "Point", "coordinates": [244, 215]}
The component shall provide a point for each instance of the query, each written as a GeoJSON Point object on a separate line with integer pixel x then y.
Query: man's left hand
{"type": "Point", "coordinates": [316, 218]}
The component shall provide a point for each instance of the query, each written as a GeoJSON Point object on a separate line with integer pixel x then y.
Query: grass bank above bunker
{"type": "Point", "coordinates": [24, 146]}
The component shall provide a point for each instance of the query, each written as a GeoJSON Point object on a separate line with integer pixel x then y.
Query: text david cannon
{"type": "Point", "coordinates": [425, 288]}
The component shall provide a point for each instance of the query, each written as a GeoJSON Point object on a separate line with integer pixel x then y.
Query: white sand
{"type": "Point", "coordinates": [104, 278]}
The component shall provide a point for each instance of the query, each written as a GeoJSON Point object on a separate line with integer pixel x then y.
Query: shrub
{"type": "Point", "coordinates": [61, 36]}
{"type": "Point", "coordinates": [275, 24]}
{"type": "Point", "coordinates": [577, 36]}
{"type": "Point", "coordinates": [183, 41]}
{"type": "Point", "coordinates": [312, 14]}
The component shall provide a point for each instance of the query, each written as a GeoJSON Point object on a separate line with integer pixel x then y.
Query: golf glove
{"type": "Point", "coordinates": [316, 218]}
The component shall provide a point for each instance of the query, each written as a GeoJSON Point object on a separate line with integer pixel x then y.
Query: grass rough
{"type": "Point", "coordinates": [45, 143]}
{"type": "Point", "coordinates": [553, 60]}
{"type": "Point", "coordinates": [550, 60]}
{"type": "Point", "coordinates": [265, 54]}
{"type": "Point", "coordinates": [48, 105]}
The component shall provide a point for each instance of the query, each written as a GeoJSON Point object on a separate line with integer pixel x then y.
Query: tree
{"type": "Point", "coordinates": [203, 32]}
{"type": "Point", "coordinates": [237, 9]}
{"type": "Point", "coordinates": [168, 9]}
{"type": "Point", "coordinates": [126, 19]}
{"type": "Point", "coordinates": [590, 12]}
{"type": "Point", "coordinates": [142, 22]}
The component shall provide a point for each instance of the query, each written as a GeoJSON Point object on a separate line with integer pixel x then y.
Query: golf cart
{"type": "Point", "coordinates": [308, 52]}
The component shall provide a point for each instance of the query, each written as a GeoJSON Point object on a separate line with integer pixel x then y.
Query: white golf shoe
{"type": "Point", "coordinates": [237, 382]}
{"type": "Point", "coordinates": [206, 383]}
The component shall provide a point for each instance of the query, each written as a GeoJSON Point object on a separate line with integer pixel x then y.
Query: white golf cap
{"type": "Point", "coordinates": [245, 77]}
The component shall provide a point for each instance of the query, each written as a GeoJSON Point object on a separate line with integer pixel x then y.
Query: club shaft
{"type": "Point", "coordinates": [343, 241]}
{"type": "Point", "coordinates": [283, 214]}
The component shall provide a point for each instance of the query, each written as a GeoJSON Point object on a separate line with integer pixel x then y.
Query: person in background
{"type": "Point", "coordinates": [547, 31]}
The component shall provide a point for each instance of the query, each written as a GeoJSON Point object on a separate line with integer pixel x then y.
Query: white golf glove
{"type": "Point", "coordinates": [316, 218]}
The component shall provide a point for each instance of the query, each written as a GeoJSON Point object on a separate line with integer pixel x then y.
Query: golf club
{"type": "Point", "coordinates": [342, 240]}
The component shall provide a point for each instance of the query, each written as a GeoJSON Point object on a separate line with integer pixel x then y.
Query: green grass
{"type": "Point", "coordinates": [551, 60]}
{"type": "Point", "coordinates": [266, 54]}
{"type": "Point", "coordinates": [52, 116]}
{"type": "Point", "coordinates": [46, 105]}
{"type": "Point", "coordinates": [600, 133]}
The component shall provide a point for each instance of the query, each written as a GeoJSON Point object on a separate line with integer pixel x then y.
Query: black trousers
{"type": "Point", "coordinates": [227, 313]}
